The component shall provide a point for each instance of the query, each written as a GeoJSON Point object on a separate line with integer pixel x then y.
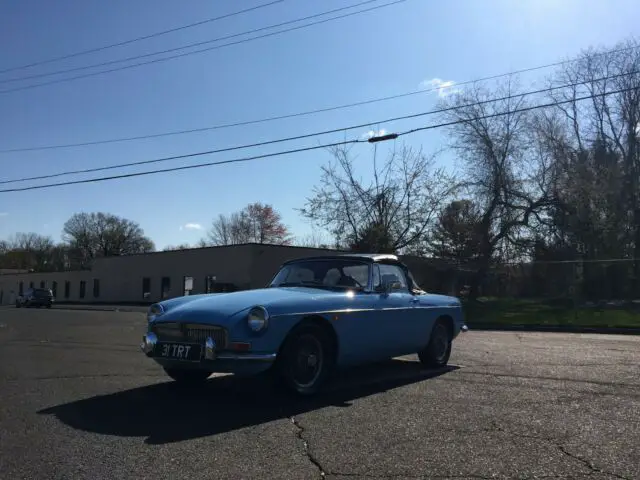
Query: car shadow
{"type": "Point", "coordinates": [168, 412]}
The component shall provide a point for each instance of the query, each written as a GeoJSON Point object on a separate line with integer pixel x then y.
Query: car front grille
{"type": "Point", "coordinates": [191, 333]}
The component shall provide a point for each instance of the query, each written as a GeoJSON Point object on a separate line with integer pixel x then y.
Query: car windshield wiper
{"type": "Point", "coordinates": [304, 283]}
{"type": "Point", "coordinates": [315, 284]}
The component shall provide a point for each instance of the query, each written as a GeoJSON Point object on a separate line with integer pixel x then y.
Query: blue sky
{"type": "Point", "coordinates": [379, 53]}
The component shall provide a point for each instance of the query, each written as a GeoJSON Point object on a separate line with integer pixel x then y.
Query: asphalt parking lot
{"type": "Point", "coordinates": [78, 400]}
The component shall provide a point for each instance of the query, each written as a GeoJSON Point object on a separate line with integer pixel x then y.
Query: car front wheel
{"type": "Point", "coordinates": [438, 351]}
{"type": "Point", "coordinates": [188, 377]}
{"type": "Point", "coordinates": [306, 360]}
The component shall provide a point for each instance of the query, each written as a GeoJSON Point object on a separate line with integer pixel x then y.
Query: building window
{"type": "Point", "coordinates": [20, 288]}
{"type": "Point", "coordinates": [67, 288]}
{"type": "Point", "coordinates": [209, 283]}
{"type": "Point", "coordinates": [96, 288]}
{"type": "Point", "coordinates": [146, 288]}
{"type": "Point", "coordinates": [42, 284]}
{"type": "Point", "coordinates": [30, 284]}
{"type": "Point", "coordinates": [54, 288]}
{"type": "Point", "coordinates": [165, 287]}
{"type": "Point", "coordinates": [83, 288]}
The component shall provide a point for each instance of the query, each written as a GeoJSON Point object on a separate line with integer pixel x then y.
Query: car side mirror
{"type": "Point", "coordinates": [388, 287]}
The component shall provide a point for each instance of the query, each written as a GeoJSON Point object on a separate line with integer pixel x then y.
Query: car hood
{"type": "Point", "coordinates": [277, 301]}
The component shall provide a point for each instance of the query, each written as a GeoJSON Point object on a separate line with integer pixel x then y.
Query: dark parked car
{"type": "Point", "coordinates": [35, 297]}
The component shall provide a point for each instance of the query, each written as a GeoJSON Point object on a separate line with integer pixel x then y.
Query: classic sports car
{"type": "Point", "coordinates": [316, 314]}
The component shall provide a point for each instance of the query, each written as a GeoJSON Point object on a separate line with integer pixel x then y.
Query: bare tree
{"type": "Point", "coordinates": [27, 251]}
{"type": "Point", "coordinates": [103, 235]}
{"type": "Point", "coordinates": [601, 139]}
{"type": "Point", "coordinates": [315, 239]}
{"type": "Point", "coordinates": [391, 212]}
{"type": "Point", "coordinates": [256, 223]}
{"type": "Point", "coordinates": [182, 246]}
{"type": "Point", "coordinates": [506, 176]}
{"type": "Point", "coordinates": [226, 230]}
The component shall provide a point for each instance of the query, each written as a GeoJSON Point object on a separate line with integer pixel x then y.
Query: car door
{"type": "Point", "coordinates": [398, 317]}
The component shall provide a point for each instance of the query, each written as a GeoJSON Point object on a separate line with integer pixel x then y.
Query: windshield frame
{"type": "Point", "coordinates": [350, 261]}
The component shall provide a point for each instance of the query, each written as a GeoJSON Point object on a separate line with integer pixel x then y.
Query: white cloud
{"type": "Point", "coordinates": [191, 226]}
{"type": "Point", "coordinates": [442, 87]}
{"type": "Point", "coordinates": [374, 133]}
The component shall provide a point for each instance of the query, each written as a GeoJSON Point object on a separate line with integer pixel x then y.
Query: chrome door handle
{"type": "Point", "coordinates": [415, 300]}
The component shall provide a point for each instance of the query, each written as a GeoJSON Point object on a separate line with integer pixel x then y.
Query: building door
{"type": "Point", "coordinates": [188, 285]}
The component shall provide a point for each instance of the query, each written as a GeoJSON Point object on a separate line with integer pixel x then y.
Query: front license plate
{"type": "Point", "coordinates": [178, 351]}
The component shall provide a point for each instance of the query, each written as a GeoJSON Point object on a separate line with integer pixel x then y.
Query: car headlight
{"type": "Point", "coordinates": [258, 319]}
{"type": "Point", "coordinates": [154, 311]}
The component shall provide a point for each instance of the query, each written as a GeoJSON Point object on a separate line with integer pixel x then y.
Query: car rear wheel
{"type": "Point", "coordinates": [188, 377]}
{"type": "Point", "coordinates": [438, 351]}
{"type": "Point", "coordinates": [306, 360]}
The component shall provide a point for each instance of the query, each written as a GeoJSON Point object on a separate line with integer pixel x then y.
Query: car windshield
{"type": "Point", "coordinates": [319, 273]}
{"type": "Point", "coordinates": [41, 293]}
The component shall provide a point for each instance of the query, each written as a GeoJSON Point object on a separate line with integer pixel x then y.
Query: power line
{"type": "Point", "coordinates": [190, 45]}
{"type": "Point", "coordinates": [298, 114]}
{"type": "Point", "coordinates": [202, 50]}
{"type": "Point", "coordinates": [518, 110]}
{"type": "Point", "coordinates": [185, 167]}
{"type": "Point", "coordinates": [303, 149]}
{"type": "Point", "coordinates": [138, 39]}
{"type": "Point", "coordinates": [314, 134]}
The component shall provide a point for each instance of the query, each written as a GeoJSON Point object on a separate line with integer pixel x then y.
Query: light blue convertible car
{"type": "Point", "coordinates": [317, 314]}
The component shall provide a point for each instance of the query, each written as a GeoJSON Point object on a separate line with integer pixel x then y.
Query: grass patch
{"type": "Point", "coordinates": [559, 312]}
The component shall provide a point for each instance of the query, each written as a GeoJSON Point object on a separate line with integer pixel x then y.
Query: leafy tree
{"type": "Point", "coordinates": [256, 223]}
{"type": "Point", "coordinates": [456, 235]}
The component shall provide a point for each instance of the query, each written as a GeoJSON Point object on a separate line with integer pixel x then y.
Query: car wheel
{"type": "Point", "coordinates": [438, 351]}
{"type": "Point", "coordinates": [17, 304]}
{"type": "Point", "coordinates": [187, 376]}
{"type": "Point", "coordinates": [48, 306]}
{"type": "Point", "coordinates": [305, 360]}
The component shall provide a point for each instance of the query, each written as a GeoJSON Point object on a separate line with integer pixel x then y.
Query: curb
{"type": "Point", "coordinates": [554, 328]}
{"type": "Point", "coordinates": [101, 308]}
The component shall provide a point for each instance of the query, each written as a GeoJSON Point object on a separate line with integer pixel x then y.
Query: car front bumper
{"type": "Point", "coordinates": [210, 359]}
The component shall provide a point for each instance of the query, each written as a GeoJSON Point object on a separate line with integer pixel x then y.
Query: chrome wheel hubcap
{"type": "Point", "coordinates": [308, 361]}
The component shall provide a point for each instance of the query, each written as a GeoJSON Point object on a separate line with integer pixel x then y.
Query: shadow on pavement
{"type": "Point", "coordinates": [168, 412]}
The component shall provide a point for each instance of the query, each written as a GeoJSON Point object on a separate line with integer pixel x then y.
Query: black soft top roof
{"type": "Point", "coordinates": [363, 257]}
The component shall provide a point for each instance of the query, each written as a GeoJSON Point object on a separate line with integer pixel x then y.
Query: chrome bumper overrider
{"type": "Point", "coordinates": [150, 340]}
{"type": "Point", "coordinates": [464, 328]}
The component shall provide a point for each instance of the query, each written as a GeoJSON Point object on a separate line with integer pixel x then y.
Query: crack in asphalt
{"type": "Point", "coordinates": [324, 473]}
{"type": "Point", "coordinates": [417, 477]}
{"type": "Point", "coordinates": [307, 449]}
{"type": "Point", "coordinates": [586, 462]}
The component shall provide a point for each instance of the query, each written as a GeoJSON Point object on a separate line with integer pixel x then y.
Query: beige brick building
{"type": "Point", "coordinates": [154, 276]}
